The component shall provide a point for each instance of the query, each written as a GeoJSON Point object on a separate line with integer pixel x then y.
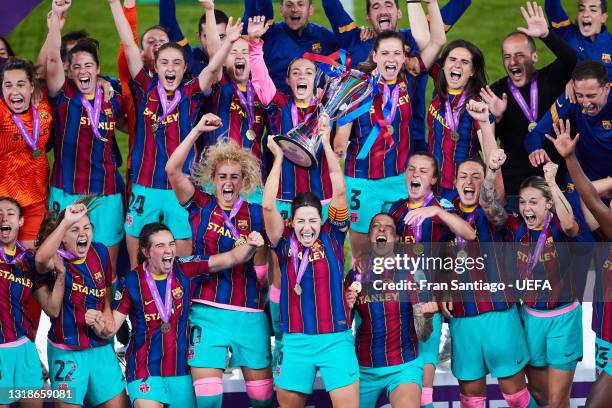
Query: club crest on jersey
{"type": "Point", "coordinates": [607, 125]}
{"type": "Point", "coordinates": [316, 48]}
{"type": "Point", "coordinates": [569, 188]}
{"type": "Point", "coordinates": [44, 115]}
{"type": "Point", "coordinates": [62, 386]}
{"type": "Point", "coordinates": [118, 295]}
{"type": "Point", "coordinates": [98, 277]}
{"type": "Point", "coordinates": [190, 353]}
{"type": "Point", "coordinates": [243, 224]}
{"type": "Point", "coordinates": [128, 220]}
{"type": "Point", "coordinates": [605, 58]}
{"type": "Point", "coordinates": [316, 246]}
{"type": "Point", "coordinates": [144, 388]}
{"type": "Point", "coordinates": [177, 293]}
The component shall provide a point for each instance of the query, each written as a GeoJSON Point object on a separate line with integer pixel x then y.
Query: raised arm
{"type": "Point", "coordinates": [213, 38]}
{"type": "Point", "coordinates": [419, 26]}
{"type": "Point", "coordinates": [452, 12]}
{"type": "Point", "coordinates": [212, 72]}
{"type": "Point", "coordinates": [237, 256]}
{"type": "Point", "coordinates": [430, 51]}
{"type": "Point", "coordinates": [272, 218]}
{"type": "Point", "coordinates": [50, 299]}
{"type": "Point", "coordinates": [343, 25]}
{"type": "Point", "coordinates": [490, 200]}
{"type": "Point", "coordinates": [559, 20]}
{"type": "Point", "coordinates": [55, 66]}
{"type": "Point", "coordinates": [167, 19]}
{"type": "Point", "coordinates": [262, 83]}
{"type": "Point", "coordinates": [129, 10]}
{"type": "Point", "coordinates": [335, 172]}
{"type": "Point", "coordinates": [562, 206]}
{"type": "Point", "coordinates": [132, 52]}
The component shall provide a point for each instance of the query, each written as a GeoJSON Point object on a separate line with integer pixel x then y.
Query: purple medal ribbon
{"type": "Point", "coordinates": [248, 103]}
{"type": "Point", "coordinates": [418, 229]}
{"type": "Point", "coordinates": [163, 100]}
{"type": "Point", "coordinates": [228, 219]}
{"type": "Point", "coordinates": [450, 116]}
{"type": "Point", "coordinates": [534, 257]}
{"type": "Point", "coordinates": [531, 112]}
{"type": "Point", "coordinates": [294, 112]}
{"type": "Point", "coordinates": [31, 140]}
{"type": "Point", "coordinates": [16, 258]}
{"type": "Point", "coordinates": [93, 113]}
{"type": "Point", "coordinates": [164, 309]}
{"type": "Point", "coordinates": [393, 97]}
{"type": "Point", "coordinates": [461, 243]}
{"type": "Point", "coordinates": [69, 256]}
{"type": "Point", "coordinates": [293, 245]}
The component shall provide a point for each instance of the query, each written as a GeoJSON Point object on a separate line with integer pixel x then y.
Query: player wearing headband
{"type": "Point", "coordinates": [234, 296]}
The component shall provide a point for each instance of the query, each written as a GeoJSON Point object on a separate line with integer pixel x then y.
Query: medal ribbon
{"type": "Point", "coordinates": [531, 112]}
{"type": "Point", "coordinates": [69, 256]}
{"type": "Point", "coordinates": [451, 117]}
{"type": "Point", "coordinates": [93, 113]}
{"type": "Point", "coordinates": [31, 140]}
{"type": "Point", "coordinates": [461, 243]}
{"type": "Point", "coordinates": [295, 115]}
{"type": "Point", "coordinates": [15, 259]}
{"type": "Point", "coordinates": [248, 103]}
{"type": "Point", "coordinates": [163, 100]}
{"type": "Point", "coordinates": [293, 245]}
{"type": "Point", "coordinates": [164, 309]}
{"type": "Point", "coordinates": [418, 229]}
{"type": "Point", "coordinates": [228, 219]}
{"type": "Point", "coordinates": [534, 257]}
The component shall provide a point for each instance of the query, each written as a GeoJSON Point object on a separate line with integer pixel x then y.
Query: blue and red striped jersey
{"type": "Point", "coordinates": [602, 304]}
{"type": "Point", "coordinates": [153, 148]}
{"type": "Point", "coordinates": [83, 163]}
{"type": "Point", "coordinates": [485, 246]}
{"type": "Point", "coordinates": [321, 307]}
{"type": "Point", "coordinates": [225, 103]}
{"type": "Point", "coordinates": [295, 179]}
{"type": "Point", "coordinates": [152, 352]}
{"type": "Point", "coordinates": [237, 286]}
{"type": "Point", "coordinates": [552, 265]}
{"type": "Point", "coordinates": [386, 335]}
{"type": "Point", "coordinates": [86, 285]}
{"type": "Point", "coordinates": [17, 284]}
{"type": "Point", "coordinates": [382, 160]}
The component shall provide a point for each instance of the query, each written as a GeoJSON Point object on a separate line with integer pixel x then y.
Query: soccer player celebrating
{"type": "Point", "coordinates": [519, 100]}
{"type": "Point", "coordinates": [552, 319]}
{"type": "Point", "coordinates": [166, 110]}
{"type": "Point", "coordinates": [315, 318]}
{"type": "Point", "coordinates": [385, 340]}
{"type": "Point", "coordinates": [78, 357]}
{"type": "Point", "coordinates": [25, 128]}
{"type": "Point", "coordinates": [234, 296]}
{"type": "Point", "coordinates": [380, 139]}
{"type": "Point", "coordinates": [454, 134]}
{"type": "Point", "coordinates": [421, 219]}
{"type": "Point", "coordinates": [157, 356]}
{"type": "Point", "coordinates": [589, 37]}
{"type": "Point", "coordinates": [591, 117]}
{"type": "Point", "coordinates": [87, 157]}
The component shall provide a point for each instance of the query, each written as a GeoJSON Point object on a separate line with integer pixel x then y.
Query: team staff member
{"type": "Point", "coordinates": [315, 318]}
{"type": "Point", "coordinates": [552, 319]}
{"type": "Point", "coordinates": [235, 296]}
{"type": "Point", "coordinates": [285, 41]}
{"type": "Point", "coordinates": [589, 36]}
{"type": "Point", "coordinates": [25, 129]}
{"type": "Point", "coordinates": [87, 156]}
{"type": "Point", "coordinates": [166, 112]}
{"type": "Point", "coordinates": [520, 99]}
{"type": "Point", "coordinates": [78, 358]}
{"type": "Point", "coordinates": [591, 118]}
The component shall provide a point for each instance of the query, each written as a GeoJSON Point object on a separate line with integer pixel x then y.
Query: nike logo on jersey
{"type": "Point", "coordinates": [520, 361]}
{"type": "Point", "coordinates": [148, 302]}
{"type": "Point", "coordinates": [569, 354]}
{"type": "Point", "coordinates": [559, 104]}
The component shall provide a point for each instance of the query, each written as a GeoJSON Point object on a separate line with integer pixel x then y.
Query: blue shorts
{"type": "Point", "coordinates": [333, 354]}
{"type": "Point", "coordinates": [92, 374]}
{"type": "Point", "coordinates": [554, 341]}
{"type": "Point", "coordinates": [603, 356]}
{"type": "Point", "coordinates": [493, 342]}
{"type": "Point", "coordinates": [374, 380]}
{"type": "Point", "coordinates": [149, 205]}
{"type": "Point", "coordinates": [107, 218]}
{"type": "Point", "coordinates": [283, 207]}
{"type": "Point", "coordinates": [175, 391]}
{"type": "Point", "coordinates": [369, 197]}
{"type": "Point", "coordinates": [19, 369]}
{"type": "Point", "coordinates": [429, 349]}
{"type": "Point", "coordinates": [216, 331]}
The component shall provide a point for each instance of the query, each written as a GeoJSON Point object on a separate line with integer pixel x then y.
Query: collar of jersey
{"type": "Point", "coordinates": [467, 209]}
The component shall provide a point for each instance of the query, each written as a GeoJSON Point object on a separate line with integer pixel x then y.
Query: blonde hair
{"type": "Point", "coordinates": [203, 170]}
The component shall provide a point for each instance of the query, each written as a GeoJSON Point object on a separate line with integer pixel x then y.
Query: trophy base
{"type": "Point", "coordinates": [296, 153]}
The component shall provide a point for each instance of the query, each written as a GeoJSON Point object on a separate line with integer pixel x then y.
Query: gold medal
{"type": "Point", "coordinates": [390, 129]}
{"type": "Point", "coordinates": [455, 136]}
{"type": "Point", "coordinates": [250, 134]}
{"type": "Point", "coordinates": [418, 248]}
{"type": "Point", "coordinates": [165, 327]}
{"type": "Point", "coordinates": [462, 254]}
{"type": "Point", "coordinates": [37, 153]}
{"type": "Point", "coordinates": [239, 241]}
{"type": "Point", "coordinates": [532, 126]}
{"type": "Point", "coordinates": [356, 286]}
{"type": "Point", "coordinates": [298, 289]}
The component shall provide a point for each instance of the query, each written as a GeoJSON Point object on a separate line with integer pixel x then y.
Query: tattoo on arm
{"type": "Point", "coordinates": [491, 204]}
{"type": "Point", "coordinates": [422, 324]}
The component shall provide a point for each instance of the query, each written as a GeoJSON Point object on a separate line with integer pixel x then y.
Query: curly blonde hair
{"type": "Point", "coordinates": [203, 170]}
